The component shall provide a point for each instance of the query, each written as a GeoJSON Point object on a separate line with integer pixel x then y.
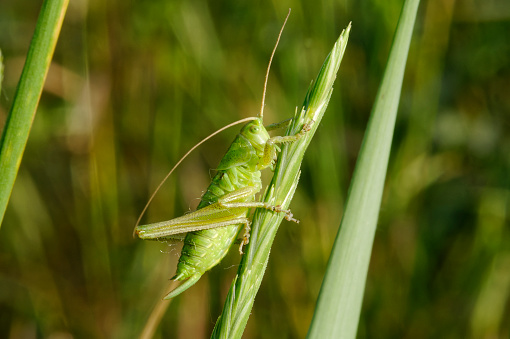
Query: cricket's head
{"type": "Point", "coordinates": [256, 134]}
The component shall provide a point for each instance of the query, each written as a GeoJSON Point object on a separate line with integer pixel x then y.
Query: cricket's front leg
{"type": "Point", "coordinates": [271, 148]}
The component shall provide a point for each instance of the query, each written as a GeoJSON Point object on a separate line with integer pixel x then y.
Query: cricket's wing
{"type": "Point", "coordinates": [211, 216]}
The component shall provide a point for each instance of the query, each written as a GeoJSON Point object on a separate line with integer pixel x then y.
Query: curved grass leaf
{"type": "Point", "coordinates": [339, 304]}
{"type": "Point", "coordinates": [22, 113]}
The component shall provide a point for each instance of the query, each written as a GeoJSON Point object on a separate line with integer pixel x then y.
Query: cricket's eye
{"type": "Point", "coordinates": [254, 129]}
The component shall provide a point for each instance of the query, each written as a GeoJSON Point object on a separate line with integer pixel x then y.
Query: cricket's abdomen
{"type": "Point", "coordinates": [204, 249]}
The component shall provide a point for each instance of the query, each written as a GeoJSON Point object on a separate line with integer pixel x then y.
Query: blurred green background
{"type": "Point", "coordinates": [135, 84]}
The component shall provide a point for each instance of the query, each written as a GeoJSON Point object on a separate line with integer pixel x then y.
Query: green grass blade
{"type": "Point", "coordinates": [242, 293]}
{"type": "Point", "coordinates": [339, 303]}
{"type": "Point", "coordinates": [26, 99]}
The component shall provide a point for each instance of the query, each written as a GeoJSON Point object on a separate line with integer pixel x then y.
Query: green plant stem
{"type": "Point", "coordinates": [28, 92]}
{"type": "Point", "coordinates": [339, 304]}
{"type": "Point", "coordinates": [280, 191]}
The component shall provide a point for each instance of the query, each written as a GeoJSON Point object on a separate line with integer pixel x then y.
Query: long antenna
{"type": "Point", "coordinates": [261, 115]}
{"type": "Point", "coordinates": [179, 162]}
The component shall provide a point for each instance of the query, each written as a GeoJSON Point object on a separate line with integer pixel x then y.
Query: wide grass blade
{"type": "Point", "coordinates": [339, 304]}
{"type": "Point", "coordinates": [280, 191]}
{"type": "Point", "coordinates": [28, 92]}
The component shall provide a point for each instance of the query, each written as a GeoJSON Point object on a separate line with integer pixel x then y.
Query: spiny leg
{"type": "Point", "coordinates": [288, 214]}
{"type": "Point", "coordinates": [290, 138]}
{"type": "Point", "coordinates": [278, 209]}
{"type": "Point", "coordinates": [271, 148]}
{"type": "Point", "coordinates": [246, 236]}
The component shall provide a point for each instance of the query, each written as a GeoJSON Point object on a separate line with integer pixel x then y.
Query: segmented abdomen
{"type": "Point", "coordinates": [204, 249]}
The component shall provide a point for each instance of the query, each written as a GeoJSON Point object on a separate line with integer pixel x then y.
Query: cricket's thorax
{"type": "Point", "coordinates": [227, 181]}
{"type": "Point", "coordinates": [239, 167]}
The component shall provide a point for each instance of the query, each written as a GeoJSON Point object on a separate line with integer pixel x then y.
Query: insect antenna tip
{"type": "Point", "coordinates": [261, 114]}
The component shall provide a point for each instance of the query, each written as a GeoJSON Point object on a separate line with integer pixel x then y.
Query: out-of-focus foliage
{"type": "Point", "coordinates": [135, 84]}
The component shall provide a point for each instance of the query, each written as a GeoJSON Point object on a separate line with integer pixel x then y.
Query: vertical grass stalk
{"type": "Point", "coordinates": [339, 304]}
{"type": "Point", "coordinates": [22, 113]}
{"type": "Point", "coordinates": [280, 191]}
